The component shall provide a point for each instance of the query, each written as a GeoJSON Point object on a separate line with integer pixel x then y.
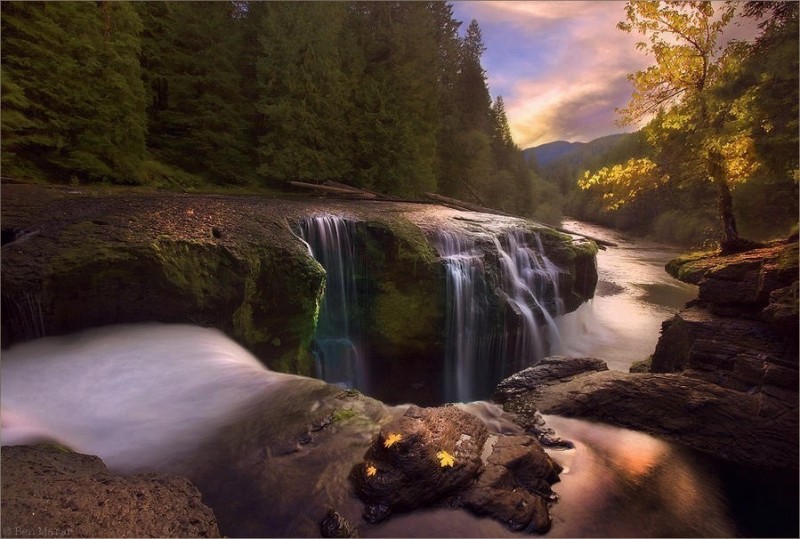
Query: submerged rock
{"type": "Point", "coordinates": [50, 492]}
{"type": "Point", "coordinates": [431, 456]}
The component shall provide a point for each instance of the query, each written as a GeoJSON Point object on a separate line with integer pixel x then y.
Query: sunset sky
{"type": "Point", "coordinates": [561, 67]}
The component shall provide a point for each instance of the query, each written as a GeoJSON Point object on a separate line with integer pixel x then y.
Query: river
{"type": "Point", "coordinates": [634, 296]}
{"type": "Point", "coordinates": [145, 397]}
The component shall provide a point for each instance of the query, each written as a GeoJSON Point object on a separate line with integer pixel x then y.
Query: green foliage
{"type": "Point", "coordinates": [719, 135]}
{"type": "Point", "coordinates": [73, 101]}
{"type": "Point", "coordinates": [198, 122]}
{"type": "Point", "coordinates": [382, 95]}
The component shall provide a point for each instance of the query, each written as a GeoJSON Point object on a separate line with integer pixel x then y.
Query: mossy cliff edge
{"type": "Point", "coordinates": [74, 259]}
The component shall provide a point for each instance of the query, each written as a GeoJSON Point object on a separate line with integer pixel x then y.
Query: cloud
{"type": "Point", "coordinates": [560, 66]}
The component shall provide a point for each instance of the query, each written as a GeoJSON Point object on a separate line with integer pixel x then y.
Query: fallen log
{"type": "Point", "coordinates": [349, 192]}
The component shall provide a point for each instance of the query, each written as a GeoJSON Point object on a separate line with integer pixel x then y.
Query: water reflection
{"type": "Point", "coordinates": [634, 296]}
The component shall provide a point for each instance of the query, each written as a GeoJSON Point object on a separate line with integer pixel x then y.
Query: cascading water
{"type": "Point", "coordinates": [141, 396]}
{"type": "Point", "coordinates": [479, 353]}
{"type": "Point", "coordinates": [530, 285]}
{"type": "Point", "coordinates": [467, 304]}
{"type": "Point", "coordinates": [339, 357]}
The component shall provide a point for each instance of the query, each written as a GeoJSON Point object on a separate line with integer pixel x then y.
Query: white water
{"type": "Point", "coordinates": [467, 307]}
{"type": "Point", "coordinates": [476, 358]}
{"type": "Point", "coordinates": [529, 280]}
{"type": "Point", "coordinates": [142, 397]}
{"type": "Point", "coordinates": [138, 396]}
{"type": "Point", "coordinates": [339, 356]}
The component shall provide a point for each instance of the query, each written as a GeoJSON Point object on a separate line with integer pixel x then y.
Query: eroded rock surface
{"type": "Point", "coordinates": [407, 467]}
{"type": "Point", "coordinates": [48, 492]}
{"type": "Point", "coordinates": [693, 412]}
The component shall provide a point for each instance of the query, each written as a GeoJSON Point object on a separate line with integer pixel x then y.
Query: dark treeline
{"type": "Point", "coordinates": [388, 96]}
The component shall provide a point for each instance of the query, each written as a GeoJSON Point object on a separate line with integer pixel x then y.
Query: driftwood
{"type": "Point", "coordinates": [349, 191]}
{"type": "Point", "coordinates": [340, 189]}
{"type": "Point", "coordinates": [461, 205]}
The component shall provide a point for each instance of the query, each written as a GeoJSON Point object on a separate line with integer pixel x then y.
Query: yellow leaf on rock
{"type": "Point", "coordinates": [392, 439]}
{"type": "Point", "coordinates": [371, 470]}
{"type": "Point", "coordinates": [445, 459]}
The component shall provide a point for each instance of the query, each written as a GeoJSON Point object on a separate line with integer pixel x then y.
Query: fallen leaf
{"type": "Point", "coordinates": [445, 459]}
{"type": "Point", "coordinates": [392, 439]}
{"type": "Point", "coordinates": [371, 470]}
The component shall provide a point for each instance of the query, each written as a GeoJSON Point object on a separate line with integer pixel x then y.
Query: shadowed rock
{"type": "Point", "coordinates": [48, 492]}
{"type": "Point", "coordinates": [505, 477]}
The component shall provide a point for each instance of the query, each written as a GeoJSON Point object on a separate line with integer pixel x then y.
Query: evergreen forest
{"type": "Point", "coordinates": [388, 96]}
{"type": "Point", "coordinates": [392, 97]}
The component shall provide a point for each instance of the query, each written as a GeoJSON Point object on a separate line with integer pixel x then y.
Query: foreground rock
{"type": "Point", "coordinates": [431, 456]}
{"type": "Point", "coordinates": [48, 492]}
{"type": "Point", "coordinates": [690, 411]}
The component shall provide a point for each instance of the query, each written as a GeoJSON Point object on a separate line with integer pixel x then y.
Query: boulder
{"type": "Point", "coordinates": [739, 427]}
{"type": "Point", "coordinates": [434, 456]}
{"type": "Point", "coordinates": [51, 492]}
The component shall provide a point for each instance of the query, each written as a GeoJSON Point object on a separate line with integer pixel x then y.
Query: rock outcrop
{"type": "Point", "coordinates": [724, 376]}
{"type": "Point", "coordinates": [73, 260]}
{"type": "Point", "coordinates": [50, 492]}
{"type": "Point", "coordinates": [742, 331]}
{"type": "Point", "coordinates": [687, 410]}
{"type": "Point", "coordinates": [432, 456]}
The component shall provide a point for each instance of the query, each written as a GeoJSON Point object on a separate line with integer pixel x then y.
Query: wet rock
{"type": "Point", "coordinates": [49, 492]}
{"type": "Point", "coordinates": [335, 525]}
{"type": "Point", "coordinates": [508, 478]}
{"type": "Point", "coordinates": [756, 429]}
{"type": "Point", "coordinates": [406, 474]}
{"type": "Point", "coordinates": [549, 370]}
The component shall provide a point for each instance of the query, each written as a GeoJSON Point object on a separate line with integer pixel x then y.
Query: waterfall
{"type": "Point", "coordinates": [529, 282]}
{"type": "Point", "coordinates": [479, 350]}
{"type": "Point", "coordinates": [467, 304]}
{"type": "Point", "coordinates": [139, 396]}
{"type": "Point", "coordinates": [339, 357]}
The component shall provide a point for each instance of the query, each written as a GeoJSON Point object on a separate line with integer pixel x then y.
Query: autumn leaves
{"type": "Point", "coordinates": [445, 459]}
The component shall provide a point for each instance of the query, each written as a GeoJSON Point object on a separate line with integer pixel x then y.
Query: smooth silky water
{"type": "Point", "coordinates": [189, 400]}
{"type": "Point", "coordinates": [634, 296]}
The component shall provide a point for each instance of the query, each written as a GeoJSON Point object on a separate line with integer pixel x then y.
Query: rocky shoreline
{"type": "Point", "coordinates": [724, 376]}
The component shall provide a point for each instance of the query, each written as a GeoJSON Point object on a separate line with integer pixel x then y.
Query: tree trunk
{"type": "Point", "coordinates": [730, 234]}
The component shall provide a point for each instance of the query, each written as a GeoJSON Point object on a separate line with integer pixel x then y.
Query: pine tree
{"type": "Point", "coordinates": [396, 96]}
{"type": "Point", "coordinates": [73, 104]}
{"type": "Point", "coordinates": [303, 97]}
{"type": "Point", "coordinates": [198, 120]}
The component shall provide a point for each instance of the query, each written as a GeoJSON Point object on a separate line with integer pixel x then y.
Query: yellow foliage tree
{"type": "Point", "coordinates": [676, 95]}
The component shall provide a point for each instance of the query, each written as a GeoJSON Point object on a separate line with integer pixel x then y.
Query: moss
{"type": "Point", "coordinates": [642, 366]}
{"type": "Point", "coordinates": [279, 312]}
{"type": "Point", "coordinates": [404, 317]}
{"type": "Point", "coordinates": [343, 415]}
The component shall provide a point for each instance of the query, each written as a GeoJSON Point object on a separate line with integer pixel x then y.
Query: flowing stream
{"type": "Point", "coordinates": [634, 296]}
{"type": "Point", "coordinates": [263, 450]}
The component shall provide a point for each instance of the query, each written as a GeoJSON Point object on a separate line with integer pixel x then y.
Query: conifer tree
{"type": "Point", "coordinates": [302, 93]}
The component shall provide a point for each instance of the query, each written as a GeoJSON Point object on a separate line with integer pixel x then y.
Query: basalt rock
{"type": "Point", "coordinates": [744, 428]}
{"type": "Point", "coordinates": [508, 478]}
{"type": "Point", "coordinates": [75, 259]}
{"type": "Point", "coordinates": [741, 333]}
{"type": "Point", "coordinates": [49, 492]}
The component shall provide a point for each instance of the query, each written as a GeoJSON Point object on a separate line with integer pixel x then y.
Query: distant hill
{"type": "Point", "coordinates": [563, 151]}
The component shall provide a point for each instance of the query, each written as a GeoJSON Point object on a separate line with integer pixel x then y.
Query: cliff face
{"type": "Point", "coordinates": [741, 332]}
{"type": "Point", "coordinates": [74, 259]}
